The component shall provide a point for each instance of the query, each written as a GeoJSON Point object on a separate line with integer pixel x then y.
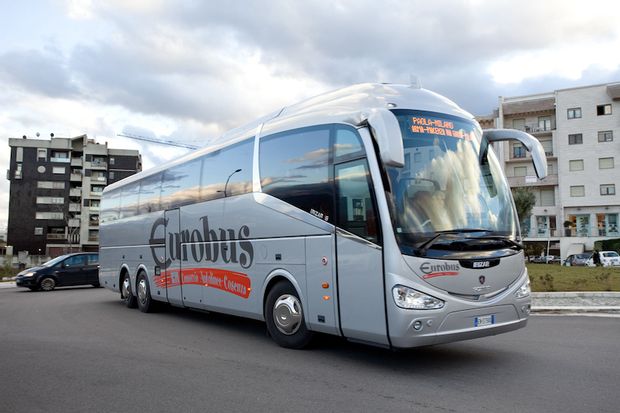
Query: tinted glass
{"type": "Point", "coordinates": [75, 261]}
{"type": "Point", "coordinates": [129, 200]}
{"type": "Point", "coordinates": [92, 259]}
{"type": "Point", "coordinates": [356, 212]}
{"type": "Point", "coordinates": [347, 144]}
{"type": "Point", "coordinates": [150, 188]}
{"type": "Point", "coordinates": [294, 167]}
{"type": "Point", "coordinates": [181, 185]}
{"type": "Point", "coordinates": [227, 172]}
{"type": "Point", "coordinates": [110, 206]}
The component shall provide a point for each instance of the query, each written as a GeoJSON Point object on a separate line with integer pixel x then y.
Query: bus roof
{"type": "Point", "coordinates": [346, 105]}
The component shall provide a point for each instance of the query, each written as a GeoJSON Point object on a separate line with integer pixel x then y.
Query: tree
{"type": "Point", "coordinates": [524, 202]}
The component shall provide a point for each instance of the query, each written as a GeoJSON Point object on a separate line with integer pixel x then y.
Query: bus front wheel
{"type": "Point", "coordinates": [285, 318]}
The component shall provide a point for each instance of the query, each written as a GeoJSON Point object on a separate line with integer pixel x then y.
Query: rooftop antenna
{"type": "Point", "coordinates": [415, 82]}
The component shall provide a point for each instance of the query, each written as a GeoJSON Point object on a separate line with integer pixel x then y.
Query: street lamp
{"type": "Point", "coordinates": [227, 180]}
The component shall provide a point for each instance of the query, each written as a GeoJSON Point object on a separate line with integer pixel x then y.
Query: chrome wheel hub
{"type": "Point", "coordinates": [287, 314]}
{"type": "Point", "coordinates": [125, 288]}
{"type": "Point", "coordinates": [142, 296]}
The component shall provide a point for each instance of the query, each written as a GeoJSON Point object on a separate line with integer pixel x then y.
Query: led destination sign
{"type": "Point", "coordinates": [429, 126]}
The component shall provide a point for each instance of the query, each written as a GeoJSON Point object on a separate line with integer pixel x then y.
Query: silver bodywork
{"type": "Point", "coordinates": [344, 282]}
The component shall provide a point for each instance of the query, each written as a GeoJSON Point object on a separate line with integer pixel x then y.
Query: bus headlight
{"type": "Point", "coordinates": [524, 290]}
{"type": "Point", "coordinates": [410, 299]}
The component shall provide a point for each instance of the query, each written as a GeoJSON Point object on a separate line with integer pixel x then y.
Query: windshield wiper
{"type": "Point", "coordinates": [503, 238]}
{"type": "Point", "coordinates": [439, 234]}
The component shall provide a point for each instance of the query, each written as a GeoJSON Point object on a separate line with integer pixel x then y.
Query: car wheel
{"type": "Point", "coordinates": [127, 296]}
{"type": "Point", "coordinates": [145, 302]}
{"type": "Point", "coordinates": [285, 318]}
{"type": "Point", "coordinates": [47, 284]}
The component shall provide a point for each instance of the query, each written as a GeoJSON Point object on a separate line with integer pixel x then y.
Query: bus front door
{"type": "Point", "coordinates": [361, 296]}
{"type": "Point", "coordinates": [173, 277]}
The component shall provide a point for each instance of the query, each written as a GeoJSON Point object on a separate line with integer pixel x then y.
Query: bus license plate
{"type": "Point", "coordinates": [485, 320]}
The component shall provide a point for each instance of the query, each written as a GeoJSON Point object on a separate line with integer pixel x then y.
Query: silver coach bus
{"type": "Point", "coordinates": [376, 212]}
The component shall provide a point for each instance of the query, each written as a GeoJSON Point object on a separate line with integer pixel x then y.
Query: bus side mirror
{"type": "Point", "coordinates": [531, 144]}
{"type": "Point", "coordinates": [386, 130]}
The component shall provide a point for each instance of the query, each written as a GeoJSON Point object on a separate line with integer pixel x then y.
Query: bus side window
{"type": "Point", "coordinates": [356, 211]}
{"type": "Point", "coordinates": [181, 185]}
{"type": "Point", "coordinates": [227, 172]}
{"type": "Point", "coordinates": [129, 199]}
{"type": "Point", "coordinates": [110, 206]}
{"type": "Point", "coordinates": [150, 189]}
{"type": "Point", "coordinates": [294, 167]}
{"type": "Point", "coordinates": [348, 144]}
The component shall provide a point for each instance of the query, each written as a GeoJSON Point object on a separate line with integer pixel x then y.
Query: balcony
{"type": "Point", "coordinates": [541, 233]}
{"type": "Point", "coordinates": [77, 192]}
{"type": "Point", "coordinates": [76, 177]}
{"type": "Point", "coordinates": [60, 160]}
{"type": "Point", "coordinates": [99, 179]}
{"type": "Point", "coordinates": [56, 237]}
{"type": "Point", "coordinates": [96, 194]}
{"type": "Point", "coordinates": [591, 231]}
{"type": "Point", "coordinates": [76, 161]}
{"type": "Point", "coordinates": [96, 165]}
{"type": "Point", "coordinates": [519, 181]}
{"type": "Point", "coordinates": [74, 207]}
{"type": "Point", "coordinates": [539, 130]}
{"type": "Point", "coordinates": [73, 223]}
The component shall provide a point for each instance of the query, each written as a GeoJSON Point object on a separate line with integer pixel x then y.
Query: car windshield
{"type": "Point", "coordinates": [54, 261]}
{"type": "Point", "coordinates": [444, 186]}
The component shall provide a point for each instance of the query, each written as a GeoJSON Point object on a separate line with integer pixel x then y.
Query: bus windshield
{"type": "Point", "coordinates": [444, 187]}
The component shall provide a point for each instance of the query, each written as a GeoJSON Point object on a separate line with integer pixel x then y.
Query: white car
{"type": "Point", "coordinates": [608, 258]}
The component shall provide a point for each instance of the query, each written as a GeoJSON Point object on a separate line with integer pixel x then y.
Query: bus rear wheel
{"type": "Point", "coordinates": [127, 296]}
{"type": "Point", "coordinates": [285, 318]}
{"type": "Point", "coordinates": [145, 302]}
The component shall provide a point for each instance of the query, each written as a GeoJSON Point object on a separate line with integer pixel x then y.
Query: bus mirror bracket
{"type": "Point", "coordinates": [529, 142]}
{"type": "Point", "coordinates": [386, 130]}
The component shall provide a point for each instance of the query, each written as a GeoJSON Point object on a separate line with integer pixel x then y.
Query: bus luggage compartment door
{"type": "Point", "coordinates": [321, 285]}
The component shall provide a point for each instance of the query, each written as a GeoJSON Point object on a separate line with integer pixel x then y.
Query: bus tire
{"type": "Point", "coordinates": [143, 290]}
{"type": "Point", "coordinates": [127, 296]}
{"type": "Point", "coordinates": [285, 318]}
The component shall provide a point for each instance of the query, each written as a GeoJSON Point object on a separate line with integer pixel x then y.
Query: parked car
{"type": "Point", "coordinates": [71, 269]}
{"type": "Point", "coordinates": [608, 258]}
{"type": "Point", "coordinates": [545, 259]}
{"type": "Point", "coordinates": [577, 260]}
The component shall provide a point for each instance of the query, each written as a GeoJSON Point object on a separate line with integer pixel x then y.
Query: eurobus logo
{"type": "Point", "coordinates": [444, 269]}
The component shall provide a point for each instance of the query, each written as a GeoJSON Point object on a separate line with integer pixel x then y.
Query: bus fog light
{"type": "Point", "coordinates": [417, 325]}
{"type": "Point", "coordinates": [524, 290]}
{"type": "Point", "coordinates": [410, 299]}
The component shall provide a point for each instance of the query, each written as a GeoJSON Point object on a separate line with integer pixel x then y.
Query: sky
{"type": "Point", "coordinates": [188, 71]}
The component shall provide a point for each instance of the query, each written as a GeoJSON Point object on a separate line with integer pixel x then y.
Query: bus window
{"type": "Point", "coordinates": [181, 185]}
{"type": "Point", "coordinates": [110, 206]}
{"type": "Point", "coordinates": [150, 189]}
{"type": "Point", "coordinates": [294, 167]}
{"type": "Point", "coordinates": [227, 172]}
{"type": "Point", "coordinates": [129, 200]}
{"type": "Point", "coordinates": [356, 212]}
{"type": "Point", "coordinates": [347, 145]}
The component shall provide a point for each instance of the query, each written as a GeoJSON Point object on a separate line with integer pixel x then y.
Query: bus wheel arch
{"type": "Point", "coordinates": [284, 314]}
{"type": "Point", "coordinates": [126, 289]}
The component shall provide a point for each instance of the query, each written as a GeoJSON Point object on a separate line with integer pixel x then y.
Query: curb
{"type": "Point", "coordinates": [579, 302]}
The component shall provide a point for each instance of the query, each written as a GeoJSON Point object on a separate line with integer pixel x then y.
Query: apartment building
{"type": "Point", "coordinates": [55, 191]}
{"type": "Point", "coordinates": [579, 128]}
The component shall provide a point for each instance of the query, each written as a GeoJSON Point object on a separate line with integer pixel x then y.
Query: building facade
{"type": "Point", "coordinates": [579, 128]}
{"type": "Point", "coordinates": [55, 191]}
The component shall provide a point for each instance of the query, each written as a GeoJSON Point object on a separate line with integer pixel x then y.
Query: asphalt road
{"type": "Point", "coordinates": [77, 350]}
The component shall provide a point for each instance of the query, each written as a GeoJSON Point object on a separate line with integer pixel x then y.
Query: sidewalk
{"type": "Point", "coordinates": [576, 302]}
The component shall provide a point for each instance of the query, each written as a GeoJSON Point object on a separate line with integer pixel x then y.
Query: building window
{"type": "Point", "coordinates": [573, 113]}
{"type": "Point", "coordinates": [111, 160]}
{"type": "Point", "coordinates": [111, 175]}
{"type": "Point", "coordinates": [56, 200]}
{"type": "Point", "coordinates": [59, 170]}
{"type": "Point", "coordinates": [41, 154]}
{"type": "Point", "coordinates": [547, 197]}
{"type": "Point", "coordinates": [548, 147]}
{"type": "Point", "coordinates": [608, 189]}
{"type": "Point", "coordinates": [603, 109]}
{"type": "Point", "coordinates": [575, 165]}
{"type": "Point", "coordinates": [605, 136]}
{"type": "Point", "coordinates": [605, 163]}
{"type": "Point", "coordinates": [575, 139]}
{"type": "Point", "coordinates": [520, 171]}
{"type": "Point", "coordinates": [607, 225]}
{"type": "Point", "coordinates": [544, 123]}
{"type": "Point", "coordinates": [19, 154]}
{"type": "Point", "coordinates": [577, 191]}
{"type": "Point", "coordinates": [50, 185]}
{"type": "Point", "coordinates": [518, 124]}
{"type": "Point", "coordinates": [518, 151]}
{"type": "Point", "coordinates": [38, 231]}
{"type": "Point", "coordinates": [49, 215]}
{"type": "Point", "coordinates": [550, 170]}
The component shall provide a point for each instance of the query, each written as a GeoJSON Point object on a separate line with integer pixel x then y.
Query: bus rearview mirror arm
{"type": "Point", "coordinates": [529, 142]}
{"type": "Point", "coordinates": [386, 130]}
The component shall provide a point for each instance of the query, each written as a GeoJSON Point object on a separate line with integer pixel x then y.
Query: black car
{"type": "Point", "coordinates": [71, 269]}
